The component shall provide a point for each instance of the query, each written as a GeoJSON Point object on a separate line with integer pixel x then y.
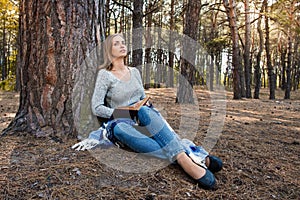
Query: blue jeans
{"type": "Point", "coordinates": [162, 142]}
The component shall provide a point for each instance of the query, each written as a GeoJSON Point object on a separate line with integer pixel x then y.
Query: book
{"type": "Point", "coordinates": [135, 106]}
{"type": "Point", "coordinates": [130, 111]}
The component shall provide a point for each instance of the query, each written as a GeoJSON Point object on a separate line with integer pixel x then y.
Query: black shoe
{"type": "Point", "coordinates": [215, 164]}
{"type": "Point", "coordinates": [207, 181]}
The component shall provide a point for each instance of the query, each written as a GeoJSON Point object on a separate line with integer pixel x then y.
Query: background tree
{"type": "Point", "coordinates": [187, 71]}
{"type": "Point", "coordinates": [257, 68]}
{"type": "Point", "coordinates": [8, 46]}
{"type": "Point", "coordinates": [212, 33]}
{"type": "Point", "coordinates": [247, 63]}
{"type": "Point", "coordinates": [137, 34]}
{"type": "Point", "coordinates": [284, 14]}
{"type": "Point", "coordinates": [271, 75]}
{"type": "Point", "coordinates": [230, 7]}
{"type": "Point", "coordinates": [54, 39]}
{"type": "Point", "coordinates": [170, 81]}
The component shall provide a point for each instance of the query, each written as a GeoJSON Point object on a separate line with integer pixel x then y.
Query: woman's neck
{"type": "Point", "coordinates": [118, 65]}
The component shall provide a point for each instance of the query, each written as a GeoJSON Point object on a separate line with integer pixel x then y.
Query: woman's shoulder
{"type": "Point", "coordinates": [134, 70]}
{"type": "Point", "coordinates": [102, 71]}
{"type": "Point", "coordinates": [103, 75]}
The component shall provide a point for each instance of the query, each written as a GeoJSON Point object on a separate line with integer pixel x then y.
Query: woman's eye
{"type": "Point", "coordinates": [118, 43]}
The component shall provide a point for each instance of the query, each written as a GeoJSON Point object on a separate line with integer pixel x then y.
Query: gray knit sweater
{"type": "Point", "coordinates": [111, 92]}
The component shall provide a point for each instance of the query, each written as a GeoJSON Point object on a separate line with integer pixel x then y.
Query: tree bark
{"type": "Point", "coordinates": [271, 75]}
{"type": "Point", "coordinates": [54, 38]}
{"type": "Point", "coordinates": [188, 57]}
{"type": "Point", "coordinates": [137, 34]}
{"type": "Point", "coordinates": [283, 53]}
{"type": "Point", "coordinates": [296, 64]}
{"type": "Point", "coordinates": [159, 61]}
{"type": "Point", "coordinates": [211, 71]}
{"type": "Point", "coordinates": [231, 14]}
{"type": "Point", "coordinates": [247, 51]}
{"type": "Point", "coordinates": [257, 69]}
{"type": "Point", "coordinates": [148, 60]}
{"type": "Point", "coordinates": [4, 51]}
{"type": "Point", "coordinates": [170, 80]}
{"type": "Point", "coordinates": [287, 94]}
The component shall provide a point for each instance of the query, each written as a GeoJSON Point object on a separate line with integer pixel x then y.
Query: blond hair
{"type": "Point", "coordinates": [107, 51]}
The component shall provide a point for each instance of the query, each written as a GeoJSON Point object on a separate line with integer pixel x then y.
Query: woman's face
{"type": "Point", "coordinates": [119, 48]}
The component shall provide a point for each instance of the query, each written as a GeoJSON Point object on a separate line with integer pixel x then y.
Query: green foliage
{"type": "Point", "coordinates": [8, 84]}
{"type": "Point", "coordinates": [9, 14]}
{"type": "Point", "coordinates": [216, 45]}
{"type": "Point", "coordinates": [284, 13]}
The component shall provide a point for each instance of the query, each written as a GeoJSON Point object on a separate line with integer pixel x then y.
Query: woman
{"type": "Point", "coordinates": [119, 85]}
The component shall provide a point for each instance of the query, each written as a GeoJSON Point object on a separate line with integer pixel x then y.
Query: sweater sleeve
{"type": "Point", "coordinates": [98, 100]}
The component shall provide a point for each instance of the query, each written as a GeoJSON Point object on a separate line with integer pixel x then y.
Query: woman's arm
{"type": "Point", "coordinates": [98, 100]}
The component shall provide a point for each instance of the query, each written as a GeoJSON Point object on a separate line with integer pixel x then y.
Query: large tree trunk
{"type": "Point", "coordinates": [231, 14]}
{"type": "Point", "coordinates": [188, 57]}
{"type": "Point", "coordinates": [55, 37]}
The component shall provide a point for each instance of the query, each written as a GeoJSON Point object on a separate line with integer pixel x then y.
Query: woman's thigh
{"type": "Point", "coordinates": [134, 139]}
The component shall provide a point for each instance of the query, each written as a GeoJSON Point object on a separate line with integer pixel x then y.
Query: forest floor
{"type": "Point", "coordinates": [259, 145]}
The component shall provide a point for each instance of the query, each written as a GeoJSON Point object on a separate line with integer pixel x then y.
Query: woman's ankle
{"type": "Point", "coordinates": [191, 168]}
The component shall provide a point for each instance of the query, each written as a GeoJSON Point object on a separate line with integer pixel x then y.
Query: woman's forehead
{"type": "Point", "coordinates": [118, 38]}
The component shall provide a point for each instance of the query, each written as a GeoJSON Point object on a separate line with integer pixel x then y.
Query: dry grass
{"type": "Point", "coordinates": [259, 145]}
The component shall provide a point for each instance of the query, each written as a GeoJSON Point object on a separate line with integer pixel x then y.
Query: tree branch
{"type": "Point", "coordinates": [121, 4]}
{"type": "Point", "coordinates": [151, 11]}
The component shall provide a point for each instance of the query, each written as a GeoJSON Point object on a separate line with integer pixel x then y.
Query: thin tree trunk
{"type": "Point", "coordinates": [296, 64]}
{"type": "Point", "coordinates": [271, 75]}
{"type": "Point", "coordinates": [137, 34]}
{"type": "Point", "coordinates": [108, 14]}
{"type": "Point", "coordinates": [4, 50]}
{"type": "Point", "coordinates": [263, 78]}
{"type": "Point", "coordinates": [219, 71]}
{"type": "Point", "coordinates": [231, 14]}
{"type": "Point", "coordinates": [287, 94]}
{"type": "Point", "coordinates": [247, 51]}
{"type": "Point", "coordinates": [188, 58]}
{"type": "Point", "coordinates": [211, 72]}
{"type": "Point", "coordinates": [170, 80]}
{"type": "Point", "coordinates": [148, 60]}
{"type": "Point", "coordinates": [283, 70]}
{"type": "Point", "coordinates": [297, 83]}
{"type": "Point", "coordinates": [257, 69]}
{"type": "Point", "coordinates": [159, 61]}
